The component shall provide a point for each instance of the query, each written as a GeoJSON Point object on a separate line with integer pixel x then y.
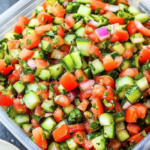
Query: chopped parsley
{"type": "Point", "coordinates": [42, 87]}
{"type": "Point", "coordinates": [28, 42]}
{"type": "Point", "coordinates": [94, 105]}
{"type": "Point", "coordinates": [37, 118]}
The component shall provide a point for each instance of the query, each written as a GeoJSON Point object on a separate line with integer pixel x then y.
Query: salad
{"type": "Point", "coordinates": [76, 75]}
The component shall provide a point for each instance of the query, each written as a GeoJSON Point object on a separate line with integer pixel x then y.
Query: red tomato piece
{"type": "Point", "coordinates": [62, 133]}
{"type": "Point", "coordinates": [60, 41]}
{"type": "Point", "coordinates": [58, 115]}
{"type": "Point", "coordinates": [89, 29]}
{"type": "Point", "coordinates": [28, 78]}
{"type": "Point", "coordinates": [25, 54]}
{"type": "Point", "coordinates": [76, 127]}
{"type": "Point", "coordinates": [34, 123]}
{"type": "Point", "coordinates": [94, 50]}
{"type": "Point", "coordinates": [68, 81]}
{"type": "Point", "coordinates": [5, 100]}
{"type": "Point", "coordinates": [83, 105]}
{"type": "Point", "coordinates": [133, 128]}
{"type": "Point", "coordinates": [43, 94]}
{"type": "Point", "coordinates": [45, 5]}
{"type": "Point", "coordinates": [109, 63]}
{"type": "Point", "coordinates": [65, 48]}
{"type": "Point", "coordinates": [39, 111]}
{"type": "Point", "coordinates": [69, 21]}
{"type": "Point", "coordinates": [97, 107]}
{"type": "Point", "coordinates": [94, 37]}
{"type": "Point", "coordinates": [87, 144]}
{"type": "Point", "coordinates": [13, 44]}
{"type": "Point", "coordinates": [114, 143]}
{"type": "Point", "coordinates": [42, 29]}
{"type": "Point", "coordinates": [3, 65]}
{"type": "Point", "coordinates": [118, 60]}
{"type": "Point", "coordinates": [79, 137]}
{"type": "Point", "coordinates": [61, 31]}
{"type": "Point", "coordinates": [118, 107]}
{"type": "Point", "coordinates": [114, 20]}
{"type": "Point", "coordinates": [86, 94]}
{"type": "Point", "coordinates": [8, 70]}
{"type": "Point", "coordinates": [109, 14]}
{"type": "Point", "coordinates": [39, 138]}
{"type": "Point", "coordinates": [63, 100]}
{"type": "Point", "coordinates": [131, 27]}
{"type": "Point", "coordinates": [14, 77]}
{"type": "Point", "coordinates": [31, 41]}
{"type": "Point", "coordinates": [144, 55]}
{"type": "Point", "coordinates": [110, 95]}
{"type": "Point", "coordinates": [147, 75]}
{"type": "Point", "coordinates": [122, 1]}
{"type": "Point", "coordinates": [41, 64]}
{"type": "Point", "coordinates": [128, 53]}
{"type": "Point", "coordinates": [80, 73]}
{"type": "Point", "coordinates": [132, 72]}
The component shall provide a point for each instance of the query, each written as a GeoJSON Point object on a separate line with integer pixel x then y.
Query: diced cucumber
{"type": "Point", "coordinates": [27, 126]}
{"type": "Point", "coordinates": [118, 47]}
{"type": "Point", "coordinates": [129, 45]}
{"type": "Point", "coordinates": [71, 144]}
{"type": "Point", "coordinates": [19, 87]}
{"type": "Point", "coordinates": [109, 131]}
{"type": "Point", "coordinates": [120, 126]}
{"type": "Point", "coordinates": [72, 7]}
{"type": "Point", "coordinates": [78, 24]}
{"type": "Point", "coordinates": [88, 73]}
{"type": "Point", "coordinates": [73, 49]}
{"type": "Point", "coordinates": [123, 6]}
{"type": "Point", "coordinates": [137, 38]}
{"type": "Point", "coordinates": [21, 119]}
{"type": "Point", "coordinates": [57, 20]}
{"type": "Point", "coordinates": [56, 71]}
{"type": "Point", "coordinates": [63, 146]}
{"type": "Point", "coordinates": [45, 75]}
{"type": "Point", "coordinates": [126, 63]}
{"type": "Point", "coordinates": [33, 23]}
{"type": "Point", "coordinates": [125, 80]}
{"type": "Point", "coordinates": [57, 54]}
{"type": "Point", "coordinates": [84, 1]}
{"type": "Point", "coordinates": [112, 1]}
{"type": "Point", "coordinates": [93, 135]}
{"type": "Point", "coordinates": [68, 64]}
{"type": "Point", "coordinates": [114, 74]}
{"type": "Point", "coordinates": [106, 119]}
{"type": "Point", "coordinates": [84, 63]}
{"type": "Point", "coordinates": [100, 19]}
{"type": "Point", "coordinates": [47, 134]}
{"type": "Point", "coordinates": [82, 45]}
{"type": "Point", "coordinates": [96, 66]}
{"type": "Point", "coordinates": [142, 17]}
{"type": "Point", "coordinates": [122, 135]}
{"type": "Point", "coordinates": [28, 31]}
{"type": "Point", "coordinates": [135, 61]}
{"type": "Point", "coordinates": [62, 90]}
{"type": "Point", "coordinates": [133, 94]}
{"type": "Point", "coordinates": [120, 116]}
{"type": "Point", "coordinates": [147, 119]}
{"type": "Point", "coordinates": [80, 32]}
{"type": "Point", "coordinates": [133, 10]}
{"type": "Point", "coordinates": [52, 2]}
{"type": "Point", "coordinates": [31, 87]}
{"type": "Point", "coordinates": [142, 84]}
{"type": "Point", "coordinates": [121, 94]}
{"type": "Point", "coordinates": [46, 46]}
{"type": "Point", "coordinates": [114, 54]}
{"type": "Point", "coordinates": [12, 112]}
{"type": "Point", "coordinates": [54, 146]}
{"type": "Point", "coordinates": [39, 9]}
{"type": "Point", "coordinates": [76, 58]}
{"type": "Point", "coordinates": [48, 106]}
{"type": "Point", "coordinates": [99, 142]}
{"type": "Point", "coordinates": [68, 109]}
{"type": "Point", "coordinates": [31, 100]}
{"type": "Point", "coordinates": [39, 54]}
{"type": "Point", "coordinates": [60, 124]}
{"type": "Point", "coordinates": [70, 39]}
{"type": "Point", "coordinates": [48, 124]}
{"type": "Point", "coordinates": [15, 53]}
{"type": "Point", "coordinates": [12, 36]}
{"type": "Point", "coordinates": [84, 10]}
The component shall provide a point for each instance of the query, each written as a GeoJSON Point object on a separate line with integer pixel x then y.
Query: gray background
{"type": "Point", "coordinates": [4, 133]}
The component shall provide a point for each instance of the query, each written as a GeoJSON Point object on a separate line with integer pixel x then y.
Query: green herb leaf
{"type": "Point", "coordinates": [37, 118]}
{"type": "Point", "coordinates": [51, 87]}
{"type": "Point", "coordinates": [77, 101]}
{"type": "Point", "coordinates": [106, 93]}
{"type": "Point", "coordinates": [42, 87]}
{"type": "Point", "coordinates": [80, 79]}
{"type": "Point", "coordinates": [94, 125]}
{"type": "Point", "coordinates": [50, 33]}
{"type": "Point", "coordinates": [108, 104]}
{"type": "Point", "coordinates": [139, 76]}
{"type": "Point", "coordinates": [55, 41]}
{"type": "Point", "coordinates": [28, 42]}
{"type": "Point", "coordinates": [94, 105]}
{"type": "Point", "coordinates": [97, 10]}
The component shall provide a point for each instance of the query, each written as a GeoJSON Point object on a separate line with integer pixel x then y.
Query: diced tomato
{"type": "Point", "coordinates": [65, 48]}
{"type": "Point", "coordinates": [48, 39]}
{"type": "Point", "coordinates": [61, 31]}
{"type": "Point", "coordinates": [57, 10]}
{"type": "Point", "coordinates": [89, 29]}
{"type": "Point", "coordinates": [105, 80]}
{"type": "Point", "coordinates": [58, 115]}
{"type": "Point", "coordinates": [118, 60]}
{"type": "Point", "coordinates": [60, 41]}
{"type": "Point", "coordinates": [42, 29]}
{"type": "Point", "coordinates": [97, 4]}
{"type": "Point", "coordinates": [63, 100]}
{"type": "Point", "coordinates": [38, 135]}
{"type": "Point", "coordinates": [147, 75]}
{"type": "Point", "coordinates": [76, 127]}
{"type": "Point", "coordinates": [94, 37]}
{"type": "Point", "coordinates": [87, 144]}
{"type": "Point", "coordinates": [98, 91]}
{"type": "Point", "coordinates": [132, 72]}
{"type": "Point", "coordinates": [45, 5]}
{"type": "Point", "coordinates": [39, 111]}
{"type": "Point", "coordinates": [31, 41]}
{"type": "Point", "coordinates": [34, 124]}
{"type": "Point", "coordinates": [55, 87]}
{"type": "Point", "coordinates": [119, 35]}
{"type": "Point", "coordinates": [5, 99]}
{"type": "Point", "coordinates": [110, 95]}
{"type": "Point", "coordinates": [25, 54]}
{"type": "Point", "coordinates": [68, 81]}
{"type": "Point", "coordinates": [86, 94]}
{"type": "Point", "coordinates": [133, 128]}
{"type": "Point", "coordinates": [87, 126]}
{"type": "Point", "coordinates": [131, 115]}
{"type": "Point", "coordinates": [109, 14]}
{"type": "Point", "coordinates": [131, 27]}
{"type": "Point", "coordinates": [144, 55]}
{"type": "Point", "coordinates": [115, 144]}
{"type": "Point", "coordinates": [79, 137]}
{"type": "Point", "coordinates": [80, 73]}
{"type": "Point", "coordinates": [3, 65]}
{"type": "Point", "coordinates": [109, 63]}
{"type": "Point", "coordinates": [143, 30]}
{"type": "Point", "coordinates": [83, 105]}
{"type": "Point", "coordinates": [20, 25]}
{"type": "Point", "coordinates": [128, 53]}
{"type": "Point", "coordinates": [137, 137]}
{"type": "Point", "coordinates": [43, 94]}
{"type": "Point", "coordinates": [14, 77]}
{"type": "Point", "coordinates": [94, 51]}
{"type": "Point", "coordinates": [141, 110]}
{"type": "Point", "coordinates": [28, 78]}
{"type": "Point", "coordinates": [41, 64]}
{"type": "Point", "coordinates": [118, 107]}
{"type": "Point", "coordinates": [8, 70]}
{"type": "Point", "coordinates": [13, 44]}
{"type": "Point", "coordinates": [97, 107]}
{"type": "Point", "coordinates": [69, 21]}
{"type": "Point", "coordinates": [122, 1]}
{"type": "Point", "coordinates": [62, 133]}
{"type": "Point", "coordinates": [147, 129]}
{"type": "Point", "coordinates": [114, 20]}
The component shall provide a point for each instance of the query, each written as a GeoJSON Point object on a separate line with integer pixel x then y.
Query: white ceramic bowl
{"type": "Point", "coordinates": [7, 146]}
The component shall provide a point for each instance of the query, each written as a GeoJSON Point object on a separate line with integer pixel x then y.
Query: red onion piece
{"type": "Point", "coordinates": [148, 104]}
{"type": "Point", "coordinates": [94, 23]}
{"type": "Point", "coordinates": [48, 114]}
{"type": "Point", "coordinates": [73, 0]}
{"type": "Point", "coordinates": [65, 3]}
{"type": "Point", "coordinates": [86, 85]}
{"type": "Point", "coordinates": [113, 8]}
{"type": "Point", "coordinates": [31, 63]}
{"type": "Point", "coordinates": [126, 105]}
{"type": "Point", "coordinates": [72, 95]}
{"type": "Point", "coordinates": [88, 5]}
